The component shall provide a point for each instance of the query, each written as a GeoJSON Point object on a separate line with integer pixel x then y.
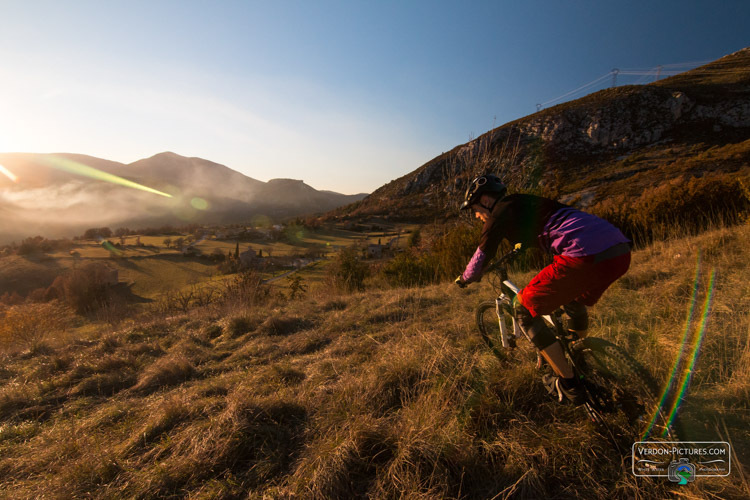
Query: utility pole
{"type": "Point", "coordinates": [615, 71]}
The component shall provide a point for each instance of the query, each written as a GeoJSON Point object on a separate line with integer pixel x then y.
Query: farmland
{"type": "Point", "coordinates": [150, 268]}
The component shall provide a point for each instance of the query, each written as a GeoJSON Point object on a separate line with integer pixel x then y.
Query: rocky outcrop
{"type": "Point", "coordinates": [641, 116]}
{"type": "Point", "coordinates": [620, 119]}
{"type": "Point", "coordinates": [735, 114]}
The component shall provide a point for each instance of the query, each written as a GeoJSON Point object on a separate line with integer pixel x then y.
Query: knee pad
{"type": "Point", "coordinates": [578, 316]}
{"type": "Point", "coordinates": [534, 327]}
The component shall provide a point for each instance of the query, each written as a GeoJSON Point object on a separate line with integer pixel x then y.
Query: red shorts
{"type": "Point", "coordinates": [572, 278]}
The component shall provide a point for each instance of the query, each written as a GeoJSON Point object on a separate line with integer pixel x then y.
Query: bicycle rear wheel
{"type": "Point", "coordinates": [620, 387]}
{"type": "Point", "coordinates": [489, 324]}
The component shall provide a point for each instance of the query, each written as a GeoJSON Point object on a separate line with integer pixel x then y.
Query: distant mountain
{"type": "Point", "coordinates": [62, 194]}
{"type": "Point", "coordinates": [618, 141]}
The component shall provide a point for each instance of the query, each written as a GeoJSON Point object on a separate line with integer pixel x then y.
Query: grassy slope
{"type": "Point", "coordinates": [383, 393]}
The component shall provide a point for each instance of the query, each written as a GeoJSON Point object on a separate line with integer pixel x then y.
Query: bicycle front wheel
{"type": "Point", "coordinates": [489, 323]}
{"type": "Point", "coordinates": [621, 387]}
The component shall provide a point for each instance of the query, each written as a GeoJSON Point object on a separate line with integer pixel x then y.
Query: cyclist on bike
{"type": "Point", "coordinates": [589, 254]}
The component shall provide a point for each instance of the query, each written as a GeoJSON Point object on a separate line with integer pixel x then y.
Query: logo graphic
{"type": "Point", "coordinates": [681, 471]}
{"type": "Point", "coordinates": [681, 461]}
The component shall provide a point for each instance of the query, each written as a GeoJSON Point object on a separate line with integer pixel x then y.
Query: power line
{"type": "Point", "coordinates": [582, 87]}
{"type": "Point", "coordinates": [657, 72]}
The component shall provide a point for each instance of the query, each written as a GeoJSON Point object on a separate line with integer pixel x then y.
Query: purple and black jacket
{"type": "Point", "coordinates": [535, 221]}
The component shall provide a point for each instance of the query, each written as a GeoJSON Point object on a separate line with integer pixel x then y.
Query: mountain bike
{"type": "Point", "coordinates": [622, 397]}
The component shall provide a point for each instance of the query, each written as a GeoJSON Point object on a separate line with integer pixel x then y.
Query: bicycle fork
{"type": "Point", "coordinates": [502, 307]}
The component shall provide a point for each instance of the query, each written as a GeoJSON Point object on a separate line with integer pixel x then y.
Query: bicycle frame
{"type": "Point", "coordinates": [508, 291]}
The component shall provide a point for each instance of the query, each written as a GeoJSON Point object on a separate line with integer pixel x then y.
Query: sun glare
{"type": "Point", "coordinates": [10, 175]}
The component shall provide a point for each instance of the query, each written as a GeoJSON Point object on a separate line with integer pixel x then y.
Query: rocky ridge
{"type": "Point", "coordinates": [710, 103]}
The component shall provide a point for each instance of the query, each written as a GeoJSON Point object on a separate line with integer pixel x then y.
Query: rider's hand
{"type": "Point", "coordinates": [460, 282]}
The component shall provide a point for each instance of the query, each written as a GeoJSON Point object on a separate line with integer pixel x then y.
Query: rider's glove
{"type": "Point", "coordinates": [460, 282]}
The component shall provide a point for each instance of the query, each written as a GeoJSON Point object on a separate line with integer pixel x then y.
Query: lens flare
{"type": "Point", "coordinates": [199, 203]}
{"type": "Point", "coordinates": [10, 175]}
{"type": "Point", "coordinates": [76, 168]}
{"type": "Point", "coordinates": [261, 221]}
{"type": "Point", "coordinates": [107, 245]}
{"type": "Point", "coordinates": [678, 358]}
{"type": "Point", "coordinates": [694, 357]}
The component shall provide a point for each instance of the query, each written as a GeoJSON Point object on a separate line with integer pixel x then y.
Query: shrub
{"type": "Point", "coordinates": [11, 299]}
{"type": "Point", "coordinates": [409, 269]}
{"type": "Point", "coordinates": [41, 244]}
{"type": "Point", "coordinates": [246, 288]}
{"type": "Point", "coordinates": [29, 246]}
{"type": "Point", "coordinates": [453, 248]}
{"type": "Point", "coordinates": [347, 272]}
{"type": "Point", "coordinates": [27, 326]}
{"type": "Point", "coordinates": [445, 256]}
{"type": "Point", "coordinates": [415, 238]}
{"type": "Point", "coordinates": [182, 300]}
{"type": "Point", "coordinates": [682, 206]}
{"type": "Point", "coordinates": [85, 289]}
{"type": "Point", "coordinates": [296, 287]}
{"type": "Point", "coordinates": [96, 233]}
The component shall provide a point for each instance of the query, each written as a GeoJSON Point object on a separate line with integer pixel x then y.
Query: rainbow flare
{"type": "Point", "coordinates": [76, 168]}
{"type": "Point", "coordinates": [678, 358]}
{"type": "Point", "coordinates": [696, 350]}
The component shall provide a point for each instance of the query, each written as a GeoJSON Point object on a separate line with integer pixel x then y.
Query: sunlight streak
{"type": "Point", "coordinates": [10, 175]}
{"type": "Point", "coordinates": [76, 168]}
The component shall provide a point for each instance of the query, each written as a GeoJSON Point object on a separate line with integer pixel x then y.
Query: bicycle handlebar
{"type": "Point", "coordinates": [508, 257]}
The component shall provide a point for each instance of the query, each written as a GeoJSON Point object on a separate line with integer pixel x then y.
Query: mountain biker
{"type": "Point", "coordinates": [589, 254]}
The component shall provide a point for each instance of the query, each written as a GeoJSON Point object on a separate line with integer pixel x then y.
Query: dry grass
{"type": "Point", "coordinates": [382, 394]}
{"type": "Point", "coordinates": [28, 326]}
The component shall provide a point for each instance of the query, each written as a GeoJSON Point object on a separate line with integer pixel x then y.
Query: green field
{"type": "Point", "coordinates": [152, 269]}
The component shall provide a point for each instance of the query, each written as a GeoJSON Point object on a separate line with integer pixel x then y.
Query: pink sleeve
{"type": "Point", "coordinates": [473, 271]}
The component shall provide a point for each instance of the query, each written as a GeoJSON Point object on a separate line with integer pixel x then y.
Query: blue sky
{"type": "Point", "coordinates": [346, 95]}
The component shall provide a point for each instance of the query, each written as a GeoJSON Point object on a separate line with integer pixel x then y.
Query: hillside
{"type": "Point", "coordinates": [56, 196]}
{"type": "Point", "coordinates": [380, 394]}
{"type": "Point", "coordinates": [617, 141]}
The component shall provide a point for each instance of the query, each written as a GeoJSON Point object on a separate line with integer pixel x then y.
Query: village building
{"type": "Point", "coordinates": [248, 258]}
{"type": "Point", "coordinates": [374, 251]}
